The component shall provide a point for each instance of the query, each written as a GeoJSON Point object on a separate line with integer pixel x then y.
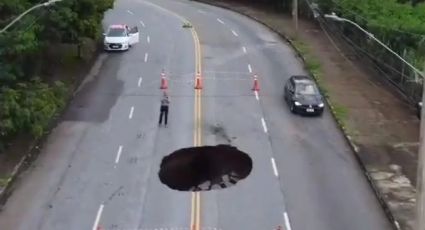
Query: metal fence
{"type": "Point", "coordinates": [371, 53]}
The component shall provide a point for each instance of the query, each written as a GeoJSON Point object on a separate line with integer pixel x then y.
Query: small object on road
{"type": "Point", "coordinates": [164, 83]}
{"type": "Point", "coordinates": [198, 81]}
{"type": "Point", "coordinates": [165, 102]}
{"type": "Point", "coordinates": [187, 25]}
{"type": "Point", "coordinates": [256, 86]}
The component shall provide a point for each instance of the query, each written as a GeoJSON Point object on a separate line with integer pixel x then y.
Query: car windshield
{"type": "Point", "coordinates": [116, 32]}
{"type": "Point", "coordinates": [306, 89]}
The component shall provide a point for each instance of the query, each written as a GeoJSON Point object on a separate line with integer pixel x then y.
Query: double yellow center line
{"type": "Point", "coordinates": [197, 135]}
{"type": "Point", "coordinates": [197, 132]}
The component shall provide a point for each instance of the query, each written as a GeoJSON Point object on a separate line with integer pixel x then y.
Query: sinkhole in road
{"type": "Point", "coordinates": [204, 168]}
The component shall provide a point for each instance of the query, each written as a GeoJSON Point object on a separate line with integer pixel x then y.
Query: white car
{"type": "Point", "coordinates": [120, 37]}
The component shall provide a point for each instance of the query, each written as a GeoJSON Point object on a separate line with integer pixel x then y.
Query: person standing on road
{"type": "Point", "coordinates": [165, 102]}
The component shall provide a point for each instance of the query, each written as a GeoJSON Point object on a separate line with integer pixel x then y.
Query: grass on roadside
{"type": "Point", "coordinates": [314, 67]}
{"type": "Point", "coordinates": [3, 181]}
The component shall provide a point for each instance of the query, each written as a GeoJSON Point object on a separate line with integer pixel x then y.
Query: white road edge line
{"type": "Point", "coordinates": [98, 215]}
{"type": "Point", "coordinates": [131, 112]}
{"type": "Point", "coordinates": [263, 122]}
{"type": "Point", "coordinates": [287, 224]}
{"type": "Point", "coordinates": [234, 33]}
{"type": "Point", "coordinates": [146, 57]}
{"type": "Point", "coordinates": [274, 167]}
{"type": "Point", "coordinates": [143, 24]}
{"type": "Point", "coordinates": [249, 68]}
{"type": "Point", "coordinates": [130, 12]}
{"type": "Point", "coordinates": [139, 83]}
{"type": "Point", "coordinates": [219, 20]}
{"type": "Point", "coordinates": [148, 39]}
{"type": "Point", "coordinates": [256, 95]}
{"type": "Point", "coordinates": [117, 159]}
{"type": "Point", "coordinates": [244, 49]}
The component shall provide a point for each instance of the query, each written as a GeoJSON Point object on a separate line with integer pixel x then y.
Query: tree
{"type": "Point", "coordinates": [74, 20]}
{"type": "Point", "coordinates": [28, 102]}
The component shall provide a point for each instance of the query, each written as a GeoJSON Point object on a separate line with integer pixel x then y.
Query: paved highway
{"type": "Point", "coordinates": [99, 166]}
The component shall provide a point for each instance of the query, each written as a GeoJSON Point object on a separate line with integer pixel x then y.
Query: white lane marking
{"type": "Point", "coordinates": [143, 24]}
{"type": "Point", "coordinates": [256, 95]}
{"type": "Point", "coordinates": [219, 20]}
{"type": "Point", "coordinates": [287, 224]}
{"type": "Point", "coordinates": [234, 33]}
{"type": "Point", "coordinates": [117, 159]}
{"type": "Point", "coordinates": [140, 82]}
{"type": "Point", "coordinates": [274, 167]}
{"type": "Point", "coordinates": [131, 112]}
{"type": "Point", "coordinates": [263, 122]}
{"type": "Point", "coordinates": [201, 11]}
{"type": "Point", "coordinates": [148, 39]}
{"type": "Point", "coordinates": [130, 12]}
{"type": "Point", "coordinates": [249, 68]}
{"type": "Point", "coordinates": [98, 215]}
{"type": "Point", "coordinates": [244, 49]}
{"type": "Point", "coordinates": [146, 57]}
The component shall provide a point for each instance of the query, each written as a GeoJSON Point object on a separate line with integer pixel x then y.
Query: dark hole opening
{"type": "Point", "coordinates": [204, 168]}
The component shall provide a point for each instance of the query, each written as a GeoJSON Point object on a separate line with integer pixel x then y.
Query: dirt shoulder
{"type": "Point", "coordinates": [374, 117]}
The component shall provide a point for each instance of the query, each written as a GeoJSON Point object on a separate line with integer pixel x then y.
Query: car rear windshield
{"type": "Point", "coordinates": [116, 32]}
{"type": "Point", "coordinates": [306, 89]}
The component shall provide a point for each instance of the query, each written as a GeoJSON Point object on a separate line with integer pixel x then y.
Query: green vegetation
{"type": "Point", "coordinates": [341, 113]}
{"type": "Point", "coordinates": [314, 67]}
{"type": "Point", "coordinates": [29, 99]}
{"type": "Point", "coordinates": [312, 64]}
{"type": "Point", "coordinates": [400, 25]}
{"type": "Point", "coordinates": [3, 181]}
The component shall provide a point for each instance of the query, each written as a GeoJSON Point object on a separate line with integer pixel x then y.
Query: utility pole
{"type": "Point", "coordinates": [420, 179]}
{"type": "Point", "coordinates": [295, 14]}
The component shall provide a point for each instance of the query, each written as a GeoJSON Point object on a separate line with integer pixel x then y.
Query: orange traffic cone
{"type": "Point", "coordinates": [198, 81]}
{"type": "Point", "coordinates": [256, 86]}
{"type": "Point", "coordinates": [164, 83]}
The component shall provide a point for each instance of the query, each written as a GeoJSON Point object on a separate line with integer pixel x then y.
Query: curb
{"type": "Point", "coordinates": [36, 145]}
{"type": "Point", "coordinates": [348, 138]}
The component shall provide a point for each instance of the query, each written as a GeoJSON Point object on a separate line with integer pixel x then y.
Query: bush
{"type": "Point", "coordinates": [29, 107]}
{"type": "Point", "coordinates": [400, 25]}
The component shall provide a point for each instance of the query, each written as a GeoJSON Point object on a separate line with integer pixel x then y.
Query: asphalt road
{"type": "Point", "coordinates": [99, 166]}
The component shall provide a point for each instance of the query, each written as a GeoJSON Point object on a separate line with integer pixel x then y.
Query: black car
{"type": "Point", "coordinates": [303, 96]}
